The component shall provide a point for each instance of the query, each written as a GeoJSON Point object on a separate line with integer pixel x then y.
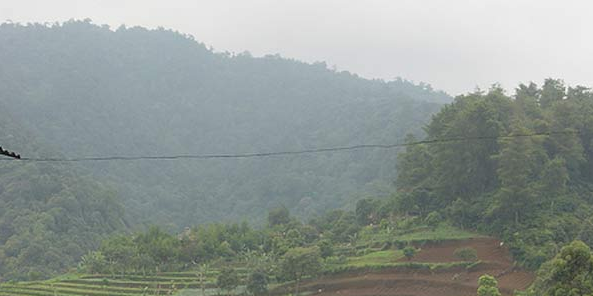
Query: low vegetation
{"type": "Point", "coordinates": [235, 258]}
{"type": "Point", "coordinates": [466, 254]}
{"type": "Point", "coordinates": [488, 286]}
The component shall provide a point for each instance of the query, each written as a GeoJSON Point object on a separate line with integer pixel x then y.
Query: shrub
{"type": "Point", "coordinates": [257, 283]}
{"type": "Point", "coordinates": [227, 280]}
{"type": "Point", "coordinates": [433, 219]}
{"type": "Point", "coordinates": [326, 248]}
{"type": "Point", "coordinates": [407, 223]}
{"type": "Point", "coordinates": [278, 216]}
{"type": "Point", "coordinates": [466, 254]}
{"type": "Point", "coordinates": [93, 263]}
{"type": "Point", "coordinates": [409, 252]}
{"type": "Point", "coordinates": [386, 246]}
{"type": "Point", "coordinates": [399, 244]}
{"type": "Point", "coordinates": [488, 286]}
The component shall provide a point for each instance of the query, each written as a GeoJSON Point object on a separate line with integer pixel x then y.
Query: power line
{"type": "Point", "coordinates": [285, 153]}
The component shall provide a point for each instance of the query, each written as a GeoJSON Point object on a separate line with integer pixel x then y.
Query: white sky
{"type": "Point", "coordinates": [455, 45]}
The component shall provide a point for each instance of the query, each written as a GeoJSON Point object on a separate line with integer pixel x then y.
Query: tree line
{"type": "Point", "coordinates": [532, 191]}
{"type": "Point", "coordinates": [285, 248]}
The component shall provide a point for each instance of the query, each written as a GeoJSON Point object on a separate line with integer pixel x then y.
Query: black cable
{"type": "Point", "coordinates": [283, 153]}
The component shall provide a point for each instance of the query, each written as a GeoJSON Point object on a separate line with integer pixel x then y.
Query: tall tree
{"type": "Point", "coordinates": [552, 91]}
{"type": "Point", "coordinates": [257, 283]}
{"type": "Point", "coordinates": [570, 273]}
{"type": "Point", "coordinates": [298, 263]}
{"type": "Point", "coordinates": [228, 280]}
{"type": "Point", "coordinates": [515, 172]}
{"type": "Point", "coordinates": [278, 216]}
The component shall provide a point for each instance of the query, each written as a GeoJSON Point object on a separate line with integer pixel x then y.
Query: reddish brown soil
{"type": "Point", "coordinates": [488, 249]}
{"type": "Point", "coordinates": [446, 282]}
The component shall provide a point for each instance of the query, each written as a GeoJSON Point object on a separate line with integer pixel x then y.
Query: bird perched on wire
{"type": "Point", "coordinates": [9, 154]}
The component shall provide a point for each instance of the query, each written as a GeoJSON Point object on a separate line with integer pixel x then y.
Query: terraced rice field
{"type": "Point", "coordinates": [106, 285]}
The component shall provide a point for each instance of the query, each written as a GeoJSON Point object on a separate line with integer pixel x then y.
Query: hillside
{"type": "Point", "coordinates": [86, 90]}
{"type": "Point", "coordinates": [50, 215]}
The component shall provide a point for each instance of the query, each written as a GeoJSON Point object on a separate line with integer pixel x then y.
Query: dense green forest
{"type": "Point", "coordinates": [78, 89]}
{"type": "Point", "coordinates": [87, 90]}
{"type": "Point", "coordinates": [50, 215]}
{"type": "Point", "coordinates": [522, 171]}
{"type": "Point", "coordinates": [532, 191]}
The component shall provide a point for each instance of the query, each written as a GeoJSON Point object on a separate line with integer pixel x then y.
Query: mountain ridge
{"type": "Point", "coordinates": [87, 90]}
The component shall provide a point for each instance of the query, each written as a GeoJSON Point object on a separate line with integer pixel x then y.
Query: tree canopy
{"type": "Point", "coordinates": [570, 273]}
{"type": "Point", "coordinates": [78, 89]}
{"type": "Point", "coordinates": [50, 215]}
{"type": "Point", "coordinates": [88, 90]}
{"type": "Point", "coordinates": [526, 175]}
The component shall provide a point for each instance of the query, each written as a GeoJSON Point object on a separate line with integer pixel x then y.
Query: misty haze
{"type": "Point", "coordinates": [323, 148]}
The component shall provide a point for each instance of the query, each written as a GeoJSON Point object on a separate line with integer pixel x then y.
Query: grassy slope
{"type": "Point", "coordinates": [443, 232]}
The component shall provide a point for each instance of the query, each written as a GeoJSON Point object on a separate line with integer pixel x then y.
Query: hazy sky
{"type": "Point", "coordinates": [455, 45]}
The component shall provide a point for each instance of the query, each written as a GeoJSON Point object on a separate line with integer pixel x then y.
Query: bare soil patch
{"type": "Point", "coordinates": [456, 281]}
{"type": "Point", "coordinates": [488, 249]}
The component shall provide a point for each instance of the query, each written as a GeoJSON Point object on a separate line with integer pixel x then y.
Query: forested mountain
{"type": "Point", "coordinates": [50, 214]}
{"type": "Point", "coordinates": [534, 191]}
{"type": "Point", "coordinates": [86, 90]}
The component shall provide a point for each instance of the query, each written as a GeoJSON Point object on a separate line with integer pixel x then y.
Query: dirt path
{"type": "Point", "coordinates": [449, 282]}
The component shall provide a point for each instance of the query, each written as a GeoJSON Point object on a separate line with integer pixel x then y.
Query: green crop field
{"type": "Point", "coordinates": [443, 232]}
{"type": "Point", "coordinates": [101, 285]}
{"type": "Point", "coordinates": [376, 258]}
